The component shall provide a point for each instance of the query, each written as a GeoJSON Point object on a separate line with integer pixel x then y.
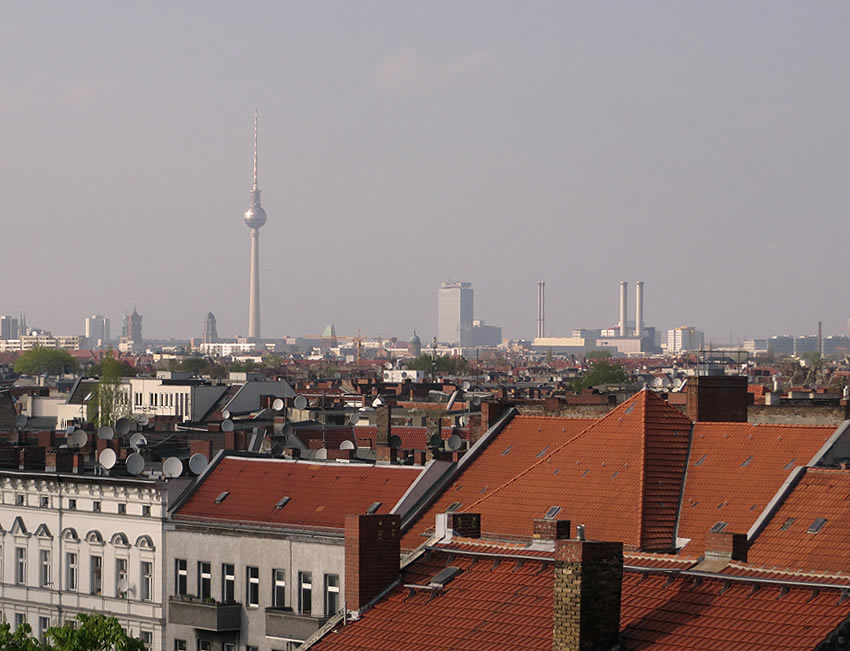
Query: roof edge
{"type": "Point", "coordinates": [776, 503]}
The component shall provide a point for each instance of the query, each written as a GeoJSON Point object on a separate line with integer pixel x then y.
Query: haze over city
{"type": "Point", "coordinates": [700, 148]}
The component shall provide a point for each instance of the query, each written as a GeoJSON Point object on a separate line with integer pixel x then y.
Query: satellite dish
{"type": "Point", "coordinates": [388, 366]}
{"type": "Point", "coordinates": [144, 420]}
{"type": "Point", "coordinates": [137, 441]}
{"type": "Point", "coordinates": [455, 442]}
{"type": "Point", "coordinates": [197, 463]}
{"type": "Point", "coordinates": [172, 467]}
{"type": "Point", "coordinates": [487, 378]}
{"type": "Point", "coordinates": [70, 430]}
{"type": "Point", "coordinates": [452, 400]}
{"type": "Point", "coordinates": [277, 405]}
{"type": "Point", "coordinates": [225, 414]}
{"type": "Point", "coordinates": [107, 458]}
{"type": "Point", "coordinates": [135, 463]}
{"type": "Point", "coordinates": [346, 445]}
{"type": "Point", "coordinates": [300, 402]}
{"type": "Point", "coordinates": [476, 401]}
{"type": "Point", "coordinates": [386, 375]}
{"type": "Point", "coordinates": [322, 453]}
{"type": "Point", "coordinates": [354, 419]}
{"type": "Point", "coordinates": [78, 439]}
{"type": "Point", "coordinates": [395, 441]}
{"type": "Point", "coordinates": [657, 382]}
{"type": "Point", "coordinates": [465, 386]}
{"type": "Point", "coordinates": [462, 421]}
{"type": "Point", "coordinates": [227, 425]}
{"type": "Point", "coordinates": [105, 433]}
{"type": "Point", "coordinates": [377, 402]}
{"type": "Point", "coordinates": [677, 383]}
{"type": "Point", "coordinates": [123, 426]}
{"type": "Point", "coordinates": [435, 441]}
{"type": "Point", "coordinates": [123, 586]}
{"type": "Point", "coordinates": [21, 421]}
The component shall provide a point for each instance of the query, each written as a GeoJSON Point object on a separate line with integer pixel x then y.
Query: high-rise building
{"type": "Point", "coordinates": [134, 326]}
{"type": "Point", "coordinates": [97, 330]}
{"type": "Point", "coordinates": [255, 217]}
{"type": "Point", "coordinates": [8, 327]}
{"type": "Point", "coordinates": [210, 331]}
{"type": "Point", "coordinates": [454, 313]}
{"type": "Point", "coordinates": [685, 338]}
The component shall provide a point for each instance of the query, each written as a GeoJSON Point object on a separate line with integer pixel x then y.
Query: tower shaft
{"type": "Point", "coordinates": [254, 298]}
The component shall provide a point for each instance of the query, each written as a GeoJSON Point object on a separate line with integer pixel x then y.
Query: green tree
{"type": "Point", "coordinates": [20, 640]}
{"type": "Point", "coordinates": [87, 633]}
{"type": "Point", "coordinates": [599, 353]}
{"type": "Point", "coordinates": [112, 367]}
{"type": "Point", "coordinates": [45, 360]}
{"type": "Point", "coordinates": [602, 372]}
{"type": "Point", "coordinates": [443, 364]}
{"type": "Point", "coordinates": [109, 400]}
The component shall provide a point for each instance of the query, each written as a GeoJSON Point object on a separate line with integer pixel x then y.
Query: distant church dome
{"type": "Point", "coordinates": [414, 340]}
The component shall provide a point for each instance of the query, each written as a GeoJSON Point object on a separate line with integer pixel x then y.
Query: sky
{"type": "Point", "coordinates": [703, 148]}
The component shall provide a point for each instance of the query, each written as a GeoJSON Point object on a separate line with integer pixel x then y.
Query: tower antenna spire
{"type": "Point", "coordinates": [255, 148]}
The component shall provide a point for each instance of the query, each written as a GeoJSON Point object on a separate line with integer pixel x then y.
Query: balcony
{"type": "Point", "coordinates": [204, 615]}
{"type": "Point", "coordinates": [285, 623]}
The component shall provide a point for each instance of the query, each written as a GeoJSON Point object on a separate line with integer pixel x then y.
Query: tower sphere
{"type": "Point", "coordinates": [255, 216]}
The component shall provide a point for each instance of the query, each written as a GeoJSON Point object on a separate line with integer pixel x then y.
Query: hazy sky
{"type": "Point", "coordinates": [702, 147]}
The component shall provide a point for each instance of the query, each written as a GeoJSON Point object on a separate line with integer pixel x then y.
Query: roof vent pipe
{"type": "Point", "coordinates": [580, 532]}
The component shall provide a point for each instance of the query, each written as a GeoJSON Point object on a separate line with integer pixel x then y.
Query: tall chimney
{"type": "Point", "coordinates": [588, 587]}
{"type": "Point", "coordinates": [624, 306]}
{"type": "Point", "coordinates": [541, 309]}
{"type": "Point", "coordinates": [820, 337]}
{"type": "Point", "coordinates": [639, 308]}
{"type": "Point", "coordinates": [372, 553]}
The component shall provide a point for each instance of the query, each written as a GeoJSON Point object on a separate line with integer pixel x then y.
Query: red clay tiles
{"type": "Point", "coordinates": [321, 494]}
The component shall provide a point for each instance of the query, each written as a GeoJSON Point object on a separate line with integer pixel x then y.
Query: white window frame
{"type": "Point", "coordinates": [278, 588]}
{"type": "Point", "coordinates": [20, 565]}
{"type": "Point", "coordinates": [181, 574]}
{"type": "Point", "coordinates": [95, 587]}
{"type": "Point", "coordinates": [45, 574]}
{"type": "Point", "coordinates": [204, 575]}
{"type": "Point", "coordinates": [228, 582]}
{"type": "Point", "coordinates": [252, 586]}
{"type": "Point", "coordinates": [72, 571]}
{"type": "Point", "coordinates": [146, 574]}
{"type": "Point", "coordinates": [331, 589]}
{"type": "Point", "coordinates": [305, 583]}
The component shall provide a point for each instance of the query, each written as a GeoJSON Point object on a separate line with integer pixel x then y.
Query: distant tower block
{"type": "Point", "coordinates": [255, 217]}
{"type": "Point", "coordinates": [210, 330]}
{"type": "Point", "coordinates": [624, 307]}
{"type": "Point", "coordinates": [541, 309]}
{"type": "Point", "coordinates": [639, 308]}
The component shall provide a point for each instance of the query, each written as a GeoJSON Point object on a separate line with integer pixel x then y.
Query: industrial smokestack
{"type": "Point", "coordinates": [820, 338]}
{"type": "Point", "coordinates": [541, 309]}
{"type": "Point", "coordinates": [639, 308]}
{"type": "Point", "coordinates": [624, 306]}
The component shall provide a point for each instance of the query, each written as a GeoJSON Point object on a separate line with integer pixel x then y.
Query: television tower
{"type": "Point", "coordinates": [255, 217]}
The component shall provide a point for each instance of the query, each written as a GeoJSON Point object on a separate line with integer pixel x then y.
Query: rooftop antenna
{"type": "Point", "coordinates": [256, 115]}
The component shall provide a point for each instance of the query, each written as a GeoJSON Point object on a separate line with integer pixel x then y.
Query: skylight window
{"type": "Point", "coordinates": [746, 462]}
{"type": "Point", "coordinates": [700, 461]}
{"type": "Point", "coordinates": [817, 525]}
{"type": "Point", "coordinates": [552, 512]}
{"type": "Point", "coordinates": [630, 408]}
{"type": "Point", "coordinates": [790, 463]}
{"type": "Point", "coordinates": [454, 506]}
{"type": "Point", "coordinates": [542, 452]}
{"type": "Point", "coordinates": [787, 524]}
{"type": "Point", "coordinates": [718, 527]}
{"type": "Point", "coordinates": [445, 575]}
{"type": "Point", "coordinates": [584, 474]}
{"type": "Point", "coordinates": [373, 508]}
{"type": "Point", "coordinates": [283, 501]}
{"type": "Point", "coordinates": [506, 450]}
{"type": "Point", "coordinates": [221, 497]}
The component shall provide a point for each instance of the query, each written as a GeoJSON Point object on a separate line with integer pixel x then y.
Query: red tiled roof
{"type": "Point", "coordinates": [518, 446]}
{"type": "Point", "coordinates": [735, 469]}
{"type": "Point", "coordinates": [621, 477]}
{"type": "Point", "coordinates": [412, 438]}
{"type": "Point", "coordinates": [785, 542]}
{"type": "Point", "coordinates": [322, 494]}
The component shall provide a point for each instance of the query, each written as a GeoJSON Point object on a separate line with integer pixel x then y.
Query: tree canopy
{"type": "Point", "coordinates": [443, 364]}
{"type": "Point", "coordinates": [91, 633]}
{"type": "Point", "coordinates": [41, 360]}
{"type": "Point", "coordinates": [602, 372]}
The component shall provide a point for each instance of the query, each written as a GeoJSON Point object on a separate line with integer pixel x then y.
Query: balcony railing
{"type": "Point", "coordinates": [284, 622]}
{"type": "Point", "coordinates": [207, 615]}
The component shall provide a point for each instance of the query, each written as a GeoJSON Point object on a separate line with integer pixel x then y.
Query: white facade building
{"type": "Point", "coordinates": [454, 314]}
{"type": "Point", "coordinates": [97, 331]}
{"type": "Point", "coordinates": [685, 338]}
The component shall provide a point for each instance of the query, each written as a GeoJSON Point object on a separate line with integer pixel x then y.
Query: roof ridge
{"type": "Point", "coordinates": [545, 459]}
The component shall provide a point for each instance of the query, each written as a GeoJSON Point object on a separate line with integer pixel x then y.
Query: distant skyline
{"type": "Point", "coordinates": [701, 148]}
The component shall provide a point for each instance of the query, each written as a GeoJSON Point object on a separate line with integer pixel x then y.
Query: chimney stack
{"type": "Point", "coordinates": [639, 308]}
{"type": "Point", "coordinates": [541, 309]}
{"type": "Point", "coordinates": [720, 398]}
{"type": "Point", "coordinates": [624, 306]}
{"type": "Point", "coordinates": [588, 586]}
{"type": "Point", "coordinates": [372, 554]}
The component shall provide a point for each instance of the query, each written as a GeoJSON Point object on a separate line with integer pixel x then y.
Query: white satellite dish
{"type": "Point", "coordinates": [377, 402]}
{"type": "Point", "coordinates": [487, 378]}
{"type": "Point", "coordinates": [322, 453]}
{"type": "Point", "coordinates": [353, 419]}
{"type": "Point", "coordinates": [462, 421]}
{"type": "Point", "coordinates": [227, 425]}
{"type": "Point", "coordinates": [21, 421]}
{"type": "Point", "coordinates": [144, 420]}
{"type": "Point", "coordinates": [465, 386]}
{"type": "Point", "coordinates": [197, 463]}
{"type": "Point", "coordinates": [137, 441]}
{"type": "Point", "coordinates": [225, 414]}
{"type": "Point", "coordinates": [78, 439]}
{"type": "Point", "coordinates": [105, 433]}
{"type": "Point", "coordinates": [455, 442]}
{"type": "Point", "coordinates": [135, 463]}
{"type": "Point", "coordinates": [300, 402]}
{"type": "Point", "coordinates": [172, 467]}
{"type": "Point", "coordinates": [123, 426]}
{"type": "Point", "coordinates": [346, 445]}
{"type": "Point", "coordinates": [677, 383]}
{"type": "Point", "coordinates": [123, 586]}
{"type": "Point", "coordinates": [107, 458]}
{"type": "Point", "coordinates": [277, 405]}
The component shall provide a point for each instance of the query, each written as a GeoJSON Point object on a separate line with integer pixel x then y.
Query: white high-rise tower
{"type": "Point", "coordinates": [255, 217]}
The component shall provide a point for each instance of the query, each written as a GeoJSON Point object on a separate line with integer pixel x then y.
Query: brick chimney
{"type": "Point", "coordinates": [729, 546]}
{"type": "Point", "coordinates": [491, 411]}
{"type": "Point", "coordinates": [466, 525]}
{"type": "Point", "coordinates": [718, 398]}
{"type": "Point", "coordinates": [550, 529]}
{"type": "Point", "coordinates": [588, 585]}
{"type": "Point", "coordinates": [372, 555]}
{"type": "Point", "coordinates": [383, 423]}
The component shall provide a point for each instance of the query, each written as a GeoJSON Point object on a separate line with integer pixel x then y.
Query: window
{"type": "Point", "coordinates": [45, 501]}
{"type": "Point", "coordinates": [204, 580]}
{"type": "Point", "coordinates": [95, 574]}
{"type": "Point", "coordinates": [95, 506]}
{"type": "Point", "coordinates": [21, 565]}
{"type": "Point", "coordinates": [146, 510]}
{"type": "Point", "coordinates": [147, 638]}
{"type": "Point", "coordinates": [229, 646]}
{"type": "Point", "coordinates": [251, 648]}
{"type": "Point", "coordinates": [20, 499]}
{"type": "Point", "coordinates": [44, 568]}
{"type": "Point", "coordinates": [228, 583]}
{"type": "Point", "coordinates": [147, 581]}
{"type": "Point", "coordinates": [120, 574]}
{"type": "Point", "coordinates": [305, 593]}
{"type": "Point", "coordinates": [122, 508]}
{"type": "Point", "coordinates": [20, 620]}
{"type": "Point", "coordinates": [204, 645]}
{"type": "Point", "coordinates": [331, 594]}
{"type": "Point", "coordinates": [72, 504]}
{"type": "Point", "coordinates": [181, 576]}
{"type": "Point", "coordinates": [252, 592]}
{"type": "Point", "coordinates": [180, 645]}
{"type": "Point", "coordinates": [43, 625]}
{"type": "Point", "coordinates": [70, 571]}
{"type": "Point", "coordinates": [278, 588]}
